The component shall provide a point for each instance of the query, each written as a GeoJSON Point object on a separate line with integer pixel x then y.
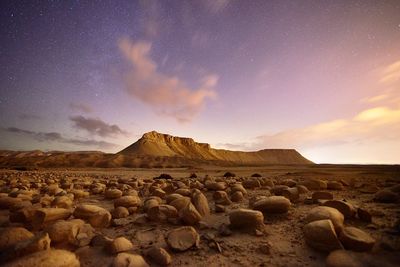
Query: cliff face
{"type": "Point", "coordinates": [163, 145]}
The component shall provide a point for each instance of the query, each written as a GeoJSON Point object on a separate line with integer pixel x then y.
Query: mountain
{"type": "Point", "coordinates": [153, 150]}
{"type": "Point", "coordinates": [163, 145]}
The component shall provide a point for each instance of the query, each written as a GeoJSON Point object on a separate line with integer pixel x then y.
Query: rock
{"type": "Point", "coordinates": [9, 202]}
{"type": "Point", "coordinates": [63, 231]}
{"type": "Point", "coordinates": [385, 196]}
{"type": "Point", "coordinates": [292, 194]}
{"type": "Point", "coordinates": [180, 203]}
{"type": "Point", "coordinates": [37, 243]}
{"type": "Point", "coordinates": [172, 197]}
{"type": "Point", "coordinates": [62, 202]}
{"type": "Point", "coordinates": [238, 187]}
{"type": "Point", "coordinates": [334, 185]}
{"type": "Point", "coordinates": [100, 241]}
{"type": "Point", "coordinates": [355, 239]}
{"type": "Point", "coordinates": [159, 255]}
{"type": "Point", "coordinates": [120, 212]}
{"type": "Point", "coordinates": [251, 183]}
{"type": "Point", "coordinates": [93, 256]}
{"type": "Point", "coordinates": [321, 235]}
{"type": "Point", "coordinates": [47, 258]}
{"type": "Point", "coordinates": [183, 238]}
{"type": "Point", "coordinates": [12, 235]}
{"type": "Point", "coordinates": [112, 193]}
{"type": "Point", "coordinates": [189, 215]}
{"type": "Point", "coordinates": [151, 202]}
{"type": "Point", "coordinates": [278, 189]}
{"type": "Point", "coordinates": [322, 212]}
{"type": "Point", "coordinates": [345, 208]}
{"type": "Point", "coordinates": [321, 195]}
{"type": "Point", "coordinates": [119, 244]}
{"type": "Point", "coordinates": [314, 184]}
{"type": "Point", "coordinates": [129, 260]}
{"type": "Point", "coordinates": [289, 182]}
{"type": "Point", "coordinates": [219, 208]}
{"type": "Point", "coordinates": [44, 216]}
{"type": "Point", "coordinates": [364, 215]}
{"type": "Point", "coordinates": [247, 220]}
{"type": "Point", "coordinates": [302, 189]}
{"type": "Point", "coordinates": [221, 197]}
{"type": "Point", "coordinates": [215, 186]}
{"type": "Point", "coordinates": [162, 213]}
{"type": "Point", "coordinates": [201, 204]}
{"type": "Point", "coordinates": [272, 204]}
{"type": "Point", "coordinates": [237, 196]}
{"type": "Point", "coordinates": [159, 193]}
{"type": "Point", "coordinates": [97, 216]}
{"type": "Point", "coordinates": [127, 201]}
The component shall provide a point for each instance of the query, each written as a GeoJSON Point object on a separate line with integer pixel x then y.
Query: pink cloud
{"type": "Point", "coordinates": [167, 95]}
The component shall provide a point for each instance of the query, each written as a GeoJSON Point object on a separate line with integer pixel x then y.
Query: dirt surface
{"type": "Point", "coordinates": [282, 241]}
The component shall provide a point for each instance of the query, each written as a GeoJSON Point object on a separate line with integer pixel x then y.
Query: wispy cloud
{"type": "Point", "coordinates": [26, 116]}
{"type": "Point", "coordinates": [216, 6]}
{"type": "Point", "coordinates": [80, 107]}
{"type": "Point", "coordinates": [57, 137]}
{"type": "Point", "coordinates": [167, 95]}
{"type": "Point", "coordinates": [96, 126]}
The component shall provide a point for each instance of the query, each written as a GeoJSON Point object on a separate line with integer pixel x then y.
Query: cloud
{"type": "Point", "coordinates": [167, 95]}
{"type": "Point", "coordinates": [81, 107]}
{"type": "Point", "coordinates": [391, 73]}
{"type": "Point", "coordinates": [96, 126]}
{"type": "Point", "coordinates": [25, 116]}
{"type": "Point", "coordinates": [151, 12]}
{"type": "Point", "coordinates": [216, 6]}
{"type": "Point", "coordinates": [57, 137]}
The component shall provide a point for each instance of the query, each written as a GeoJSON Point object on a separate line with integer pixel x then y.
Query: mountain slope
{"type": "Point", "coordinates": [162, 145]}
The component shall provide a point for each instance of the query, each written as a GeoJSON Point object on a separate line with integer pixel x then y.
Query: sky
{"type": "Point", "coordinates": [322, 77]}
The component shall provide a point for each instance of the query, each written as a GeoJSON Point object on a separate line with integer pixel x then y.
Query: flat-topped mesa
{"type": "Point", "coordinates": [156, 144]}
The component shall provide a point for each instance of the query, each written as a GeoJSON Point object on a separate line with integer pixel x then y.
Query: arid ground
{"type": "Point", "coordinates": [33, 199]}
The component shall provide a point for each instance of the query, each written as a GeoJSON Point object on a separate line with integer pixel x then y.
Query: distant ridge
{"type": "Point", "coordinates": [164, 145]}
{"type": "Point", "coordinates": [153, 150]}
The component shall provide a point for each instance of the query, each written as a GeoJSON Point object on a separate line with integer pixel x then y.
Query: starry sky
{"type": "Point", "coordinates": [322, 77]}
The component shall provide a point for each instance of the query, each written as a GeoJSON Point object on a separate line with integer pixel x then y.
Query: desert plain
{"type": "Point", "coordinates": [273, 215]}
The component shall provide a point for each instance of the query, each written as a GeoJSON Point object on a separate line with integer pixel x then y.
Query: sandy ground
{"type": "Point", "coordinates": [283, 242]}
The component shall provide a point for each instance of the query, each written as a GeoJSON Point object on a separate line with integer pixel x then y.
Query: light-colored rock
{"type": "Point", "coordinates": [127, 201]}
{"type": "Point", "coordinates": [119, 244]}
{"type": "Point", "coordinates": [345, 208]}
{"type": "Point", "coordinates": [322, 212]}
{"type": "Point", "coordinates": [159, 255]}
{"type": "Point", "coordinates": [120, 212]}
{"type": "Point", "coordinates": [247, 220]}
{"type": "Point", "coordinates": [183, 238]}
{"type": "Point", "coordinates": [44, 216]}
{"type": "Point", "coordinates": [237, 196]}
{"type": "Point", "coordinates": [273, 204]}
{"type": "Point", "coordinates": [46, 258]}
{"type": "Point", "coordinates": [12, 235]}
{"type": "Point", "coordinates": [321, 235]}
{"type": "Point", "coordinates": [129, 260]}
{"type": "Point", "coordinates": [62, 202]}
{"type": "Point", "coordinates": [112, 193]}
{"type": "Point", "coordinates": [97, 216]}
{"type": "Point", "coordinates": [200, 202]}
{"type": "Point", "coordinates": [162, 213]}
{"type": "Point", "coordinates": [189, 214]}
{"type": "Point", "coordinates": [356, 239]}
{"type": "Point", "coordinates": [221, 197]}
{"type": "Point", "coordinates": [292, 194]}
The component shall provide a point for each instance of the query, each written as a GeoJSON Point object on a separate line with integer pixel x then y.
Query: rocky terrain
{"type": "Point", "coordinates": [153, 150]}
{"type": "Point", "coordinates": [311, 215]}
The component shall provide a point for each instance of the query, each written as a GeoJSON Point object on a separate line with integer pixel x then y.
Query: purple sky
{"type": "Point", "coordinates": [319, 76]}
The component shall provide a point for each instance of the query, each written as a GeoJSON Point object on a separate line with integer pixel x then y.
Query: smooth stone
{"type": "Point", "coordinates": [322, 212]}
{"type": "Point", "coordinates": [245, 219]}
{"type": "Point", "coordinates": [183, 238]}
{"type": "Point", "coordinates": [321, 235]}
{"type": "Point", "coordinates": [273, 204]}
{"type": "Point", "coordinates": [356, 239]}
